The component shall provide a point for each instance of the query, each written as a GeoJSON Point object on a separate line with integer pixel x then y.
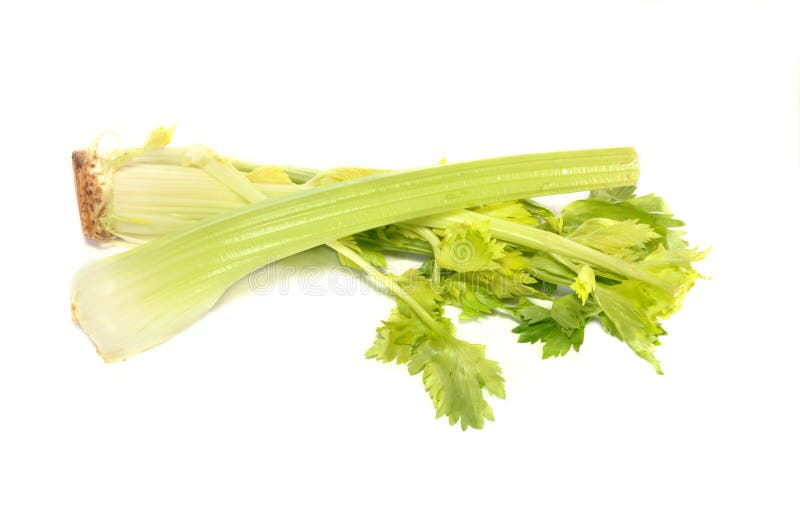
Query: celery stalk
{"type": "Point", "coordinates": [161, 198]}
{"type": "Point", "coordinates": [134, 300]}
{"type": "Point", "coordinates": [538, 239]}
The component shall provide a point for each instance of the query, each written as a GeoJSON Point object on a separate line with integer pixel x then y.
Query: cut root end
{"type": "Point", "coordinates": [91, 196]}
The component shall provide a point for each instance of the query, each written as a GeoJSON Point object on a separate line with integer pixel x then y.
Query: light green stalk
{"type": "Point", "coordinates": [228, 175]}
{"type": "Point", "coordinates": [137, 299]}
{"type": "Point", "coordinates": [219, 186]}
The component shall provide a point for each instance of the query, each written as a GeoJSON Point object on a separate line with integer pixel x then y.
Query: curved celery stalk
{"type": "Point", "coordinates": [132, 301]}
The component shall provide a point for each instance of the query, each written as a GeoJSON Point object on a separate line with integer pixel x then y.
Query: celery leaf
{"type": "Point", "coordinates": [455, 372]}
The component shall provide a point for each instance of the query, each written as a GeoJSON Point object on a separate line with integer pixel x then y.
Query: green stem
{"type": "Point", "coordinates": [433, 240]}
{"type": "Point", "coordinates": [388, 282]}
{"type": "Point", "coordinates": [538, 239]}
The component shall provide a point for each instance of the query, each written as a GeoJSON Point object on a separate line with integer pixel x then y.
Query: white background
{"type": "Point", "coordinates": [265, 415]}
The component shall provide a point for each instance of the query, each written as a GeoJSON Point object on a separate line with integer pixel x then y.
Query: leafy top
{"type": "Point", "coordinates": [454, 372]}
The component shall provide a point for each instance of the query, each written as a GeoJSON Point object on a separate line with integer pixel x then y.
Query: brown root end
{"type": "Point", "coordinates": [91, 202]}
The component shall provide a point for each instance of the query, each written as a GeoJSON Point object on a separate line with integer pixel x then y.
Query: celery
{"type": "Point", "coordinates": [134, 300]}
{"type": "Point", "coordinates": [617, 258]}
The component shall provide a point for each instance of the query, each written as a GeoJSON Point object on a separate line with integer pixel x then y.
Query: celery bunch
{"type": "Point", "coordinates": [484, 246]}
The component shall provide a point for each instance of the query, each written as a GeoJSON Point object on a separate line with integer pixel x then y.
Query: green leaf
{"type": "Point", "coordinates": [555, 340]}
{"type": "Point", "coordinates": [559, 328]}
{"type": "Point", "coordinates": [547, 219]}
{"type": "Point", "coordinates": [514, 211]}
{"type": "Point", "coordinates": [427, 267]}
{"type": "Point", "coordinates": [545, 266]}
{"type": "Point", "coordinates": [625, 239]}
{"type": "Point", "coordinates": [468, 248]}
{"type": "Point", "coordinates": [632, 308]}
{"type": "Point", "coordinates": [475, 300]}
{"type": "Point", "coordinates": [393, 238]}
{"type": "Point", "coordinates": [398, 337]}
{"type": "Point", "coordinates": [404, 329]}
{"type": "Point", "coordinates": [567, 312]}
{"type": "Point", "coordinates": [455, 373]}
{"type": "Point", "coordinates": [547, 288]}
{"type": "Point", "coordinates": [584, 283]}
{"type": "Point", "coordinates": [674, 266]}
{"type": "Point", "coordinates": [370, 252]}
{"type": "Point", "coordinates": [649, 210]}
{"type": "Point", "coordinates": [534, 313]}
